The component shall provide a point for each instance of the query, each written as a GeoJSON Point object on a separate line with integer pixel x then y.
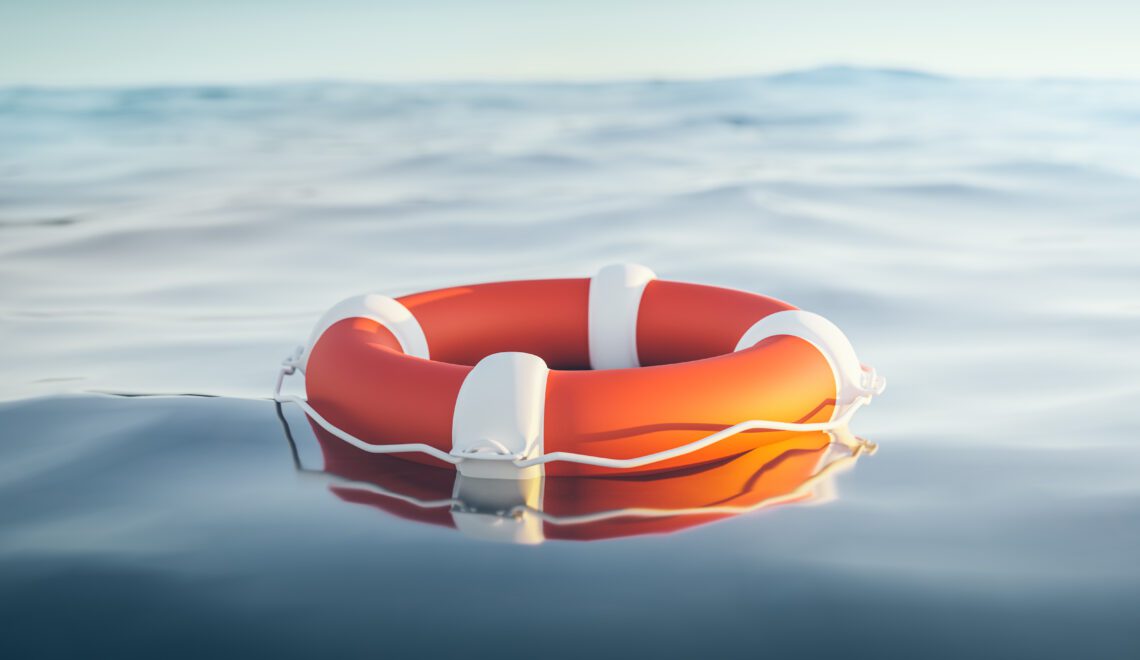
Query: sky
{"type": "Point", "coordinates": [115, 42]}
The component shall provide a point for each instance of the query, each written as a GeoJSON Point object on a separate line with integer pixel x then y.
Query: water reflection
{"type": "Point", "coordinates": [791, 468]}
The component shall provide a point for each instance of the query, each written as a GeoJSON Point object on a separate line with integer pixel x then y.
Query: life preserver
{"type": "Point", "coordinates": [797, 469]}
{"type": "Point", "coordinates": [619, 372]}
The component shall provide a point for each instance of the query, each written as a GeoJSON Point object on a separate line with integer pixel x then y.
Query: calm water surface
{"type": "Point", "coordinates": [977, 240]}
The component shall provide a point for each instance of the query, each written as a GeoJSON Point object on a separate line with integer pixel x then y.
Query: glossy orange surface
{"type": "Point", "coordinates": [680, 322]}
{"type": "Point", "coordinates": [623, 413]}
{"type": "Point", "coordinates": [359, 379]}
{"type": "Point", "coordinates": [546, 318]}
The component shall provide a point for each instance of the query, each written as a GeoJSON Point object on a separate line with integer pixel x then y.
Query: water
{"type": "Point", "coordinates": [977, 240]}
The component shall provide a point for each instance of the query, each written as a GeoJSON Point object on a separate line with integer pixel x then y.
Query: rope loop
{"type": "Point", "coordinates": [873, 385]}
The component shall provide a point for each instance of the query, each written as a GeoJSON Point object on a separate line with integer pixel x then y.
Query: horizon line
{"type": "Point", "coordinates": [790, 74]}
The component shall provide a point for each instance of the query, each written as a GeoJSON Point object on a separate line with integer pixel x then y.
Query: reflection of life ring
{"type": "Point", "coordinates": [795, 469]}
{"type": "Point", "coordinates": [576, 376]}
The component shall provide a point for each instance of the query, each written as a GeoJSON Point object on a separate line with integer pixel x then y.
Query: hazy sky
{"type": "Point", "coordinates": [156, 41]}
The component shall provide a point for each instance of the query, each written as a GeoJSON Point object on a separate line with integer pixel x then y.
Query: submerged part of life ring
{"type": "Point", "coordinates": [796, 468]}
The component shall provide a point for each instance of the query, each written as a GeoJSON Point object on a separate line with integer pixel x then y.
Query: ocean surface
{"type": "Point", "coordinates": [163, 248]}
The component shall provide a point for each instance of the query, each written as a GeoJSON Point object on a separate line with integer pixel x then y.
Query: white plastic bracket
{"type": "Point", "coordinates": [499, 417]}
{"type": "Point", "coordinates": [615, 297]}
{"type": "Point", "coordinates": [852, 381]}
{"type": "Point", "coordinates": [386, 311]}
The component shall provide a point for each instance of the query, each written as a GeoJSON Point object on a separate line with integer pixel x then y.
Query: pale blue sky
{"type": "Point", "coordinates": [156, 41]}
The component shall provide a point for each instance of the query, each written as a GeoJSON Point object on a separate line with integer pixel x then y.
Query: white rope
{"type": "Point", "coordinates": [696, 445]}
{"type": "Point", "coordinates": [362, 445]}
{"type": "Point", "coordinates": [289, 366]}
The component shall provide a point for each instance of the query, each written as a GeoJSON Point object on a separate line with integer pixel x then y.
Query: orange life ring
{"type": "Point", "coordinates": [619, 372]}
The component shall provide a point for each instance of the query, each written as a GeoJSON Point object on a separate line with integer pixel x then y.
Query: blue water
{"type": "Point", "coordinates": [976, 239]}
